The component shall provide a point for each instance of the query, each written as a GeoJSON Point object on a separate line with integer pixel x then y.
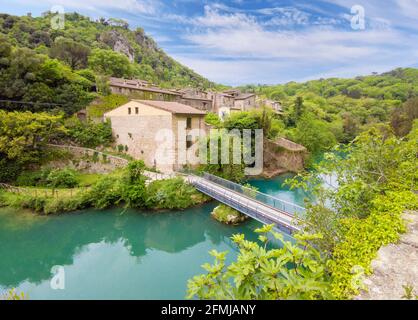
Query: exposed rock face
{"type": "Point", "coordinates": [395, 266]}
{"type": "Point", "coordinates": [118, 43]}
{"type": "Point", "coordinates": [283, 156]}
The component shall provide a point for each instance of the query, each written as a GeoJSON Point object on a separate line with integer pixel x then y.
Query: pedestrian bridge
{"type": "Point", "coordinates": [262, 207]}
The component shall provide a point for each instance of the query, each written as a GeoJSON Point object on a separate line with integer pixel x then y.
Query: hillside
{"type": "Point", "coordinates": [148, 62]}
{"type": "Point", "coordinates": [349, 106]}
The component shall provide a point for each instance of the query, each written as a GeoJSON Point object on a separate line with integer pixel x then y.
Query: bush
{"type": "Point", "coordinates": [104, 194]}
{"type": "Point", "coordinates": [9, 170]}
{"type": "Point", "coordinates": [227, 215]}
{"type": "Point", "coordinates": [89, 134]}
{"type": "Point", "coordinates": [34, 178]}
{"type": "Point", "coordinates": [171, 194]}
{"type": "Point", "coordinates": [62, 178]}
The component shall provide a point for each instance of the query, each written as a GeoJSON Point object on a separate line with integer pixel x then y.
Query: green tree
{"type": "Point", "coordinates": [24, 134]}
{"type": "Point", "coordinates": [314, 134]}
{"type": "Point", "coordinates": [109, 62]}
{"type": "Point", "coordinates": [295, 271]}
{"type": "Point", "coordinates": [71, 52]}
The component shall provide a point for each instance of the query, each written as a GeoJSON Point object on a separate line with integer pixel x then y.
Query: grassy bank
{"type": "Point", "coordinates": [125, 188]}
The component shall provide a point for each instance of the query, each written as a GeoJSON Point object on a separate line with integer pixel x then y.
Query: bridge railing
{"type": "Point", "coordinates": [271, 201]}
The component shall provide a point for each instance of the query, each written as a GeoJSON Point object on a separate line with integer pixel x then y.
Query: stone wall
{"type": "Point", "coordinates": [89, 160]}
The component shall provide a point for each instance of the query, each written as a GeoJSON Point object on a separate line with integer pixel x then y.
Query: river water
{"type": "Point", "coordinates": [117, 254]}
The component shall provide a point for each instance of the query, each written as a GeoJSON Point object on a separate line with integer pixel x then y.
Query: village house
{"type": "Point", "coordinates": [223, 104]}
{"type": "Point", "coordinates": [196, 98]}
{"type": "Point", "coordinates": [139, 126]}
{"type": "Point", "coordinates": [242, 101]}
{"type": "Point", "coordinates": [140, 89]}
{"type": "Point", "coordinates": [275, 105]}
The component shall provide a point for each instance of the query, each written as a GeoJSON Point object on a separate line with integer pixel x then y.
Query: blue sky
{"type": "Point", "coordinates": [252, 41]}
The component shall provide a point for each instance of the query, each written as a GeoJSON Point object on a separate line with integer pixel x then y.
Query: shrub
{"type": "Point", "coordinates": [171, 194]}
{"type": "Point", "coordinates": [34, 178]}
{"type": "Point", "coordinates": [104, 194]}
{"type": "Point", "coordinates": [227, 215]}
{"type": "Point", "coordinates": [64, 178]}
{"type": "Point", "coordinates": [89, 134]}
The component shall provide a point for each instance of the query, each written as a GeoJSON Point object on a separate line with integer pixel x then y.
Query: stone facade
{"type": "Point", "coordinates": [140, 127]}
{"type": "Point", "coordinates": [245, 103]}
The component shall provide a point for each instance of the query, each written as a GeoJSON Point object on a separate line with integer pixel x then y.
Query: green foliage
{"type": "Point", "coordinates": [110, 63]}
{"type": "Point", "coordinates": [10, 169]}
{"type": "Point", "coordinates": [62, 178]}
{"type": "Point", "coordinates": [89, 134]}
{"type": "Point", "coordinates": [34, 178]}
{"type": "Point", "coordinates": [24, 134]}
{"type": "Point", "coordinates": [372, 182]}
{"type": "Point", "coordinates": [213, 119]}
{"type": "Point", "coordinates": [363, 238]}
{"type": "Point", "coordinates": [72, 53]}
{"type": "Point", "coordinates": [98, 108]}
{"type": "Point", "coordinates": [105, 193]}
{"type": "Point", "coordinates": [403, 117]}
{"type": "Point", "coordinates": [44, 83]}
{"type": "Point", "coordinates": [227, 215]}
{"type": "Point", "coordinates": [172, 194]}
{"type": "Point", "coordinates": [314, 134]}
{"type": "Point", "coordinates": [295, 271]}
{"type": "Point", "coordinates": [12, 294]}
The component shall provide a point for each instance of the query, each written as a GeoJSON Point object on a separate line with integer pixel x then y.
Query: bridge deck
{"type": "Point", "coordinates": [246, 205]}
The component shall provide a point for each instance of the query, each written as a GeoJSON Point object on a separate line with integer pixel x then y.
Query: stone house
{"type": "Point", "coordinates": [153, 131]}
{"type": "Point", "coordinates": [245, 101]}
{"type": "Point", "coordinates": [223, 104]}
{"type": "Point", "coordinates": [196, 98]}
{"type": "Point", "coordinates": [142, 90]}
{"type": "Point", "coordinates": [275, 105]}
{"type": "Point", "coordinates": [242, 101]}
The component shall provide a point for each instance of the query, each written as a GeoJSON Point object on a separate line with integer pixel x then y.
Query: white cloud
{"type": "Point", "coordinates": [102, 6]}
{"type": "Point", "coordinates": [213, 18]}
{"type": "Point", "coordinates": [409, 7]}
{"type": "Point", "coordinates": [237, 48]}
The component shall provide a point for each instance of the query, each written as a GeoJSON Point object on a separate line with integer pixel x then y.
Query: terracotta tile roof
{"type": "Point", "coordinates": [173, 107]}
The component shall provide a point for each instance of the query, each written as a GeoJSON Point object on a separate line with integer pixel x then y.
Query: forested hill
{"type": "Point", "coordinates": [81, 39]}
{"type": "Point", "coordinates": [347, 107]}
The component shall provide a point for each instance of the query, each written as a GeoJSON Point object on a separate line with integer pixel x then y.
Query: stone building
{"type": "Point", "coordinates": [242, 101]}
{"type": "Point", "coordinates": [196, 98]}
{"type": "Point", "coordinates": [140, 89]}
{"type": "Point", "coordinates": [223, 104]}
{"type": "Point", "coordinates": [245, 101]}
{"type": "Point", "coordinates": [275, 105]}
{"type": "Point", "coordinates": [153, 131]}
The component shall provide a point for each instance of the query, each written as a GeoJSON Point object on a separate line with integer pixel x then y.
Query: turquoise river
{"type": "Point", "coordinates": [117, 254]}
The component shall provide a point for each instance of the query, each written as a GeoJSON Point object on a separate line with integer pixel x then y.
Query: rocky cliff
{"type": "Point", "coordinates": [282, 156]}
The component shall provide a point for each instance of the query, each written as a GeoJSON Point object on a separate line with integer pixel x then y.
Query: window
{"type": "Point", "coordinates": [136, 110]}
{"type": "Point", "coordinates": [129, 111]}
{"type": "Point", "coordinates": [189, 123]}
{"type": "Point", "coordinates": [189, 141]}
{"type": "Point", "coordinates": [205, 105]}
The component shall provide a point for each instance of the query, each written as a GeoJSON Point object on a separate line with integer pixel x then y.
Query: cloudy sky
{"type": "Point", "coordinates": [273, 41]}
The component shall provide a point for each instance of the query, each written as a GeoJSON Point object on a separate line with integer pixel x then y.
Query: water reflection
{"type": "Point", "coordinates": [27, 254]}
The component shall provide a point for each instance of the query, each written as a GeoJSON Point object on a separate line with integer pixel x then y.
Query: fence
{"type": "Point", "coordinates": [35, 192]}
{"type": "Point", "coordinates": [271, 201]}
